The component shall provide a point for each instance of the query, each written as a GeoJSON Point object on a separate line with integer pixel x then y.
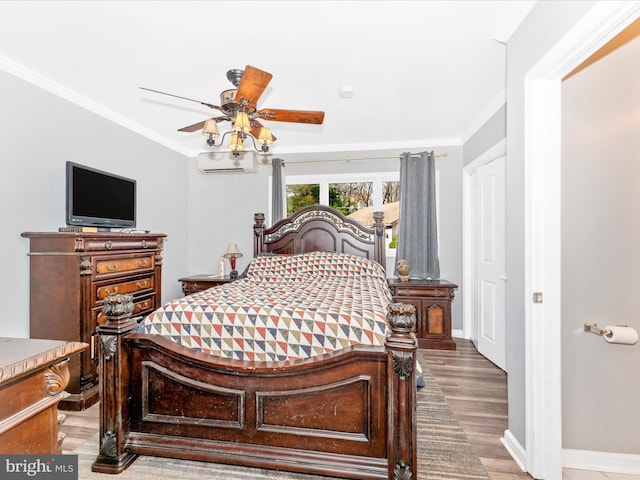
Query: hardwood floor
{"type": "Point", "coordinates": [474, 387]}
{"type": "Point", "coordinates": [79, 427]}
{"type": "Point", "coordinates": [476, 391]}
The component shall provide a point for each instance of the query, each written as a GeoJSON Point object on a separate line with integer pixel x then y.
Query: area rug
{"type": "Point", "coordinates": [444, 453]}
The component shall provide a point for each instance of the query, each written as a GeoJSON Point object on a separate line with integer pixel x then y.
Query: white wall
{"type": "Point", "coordinates": [600, 259]}
{"type": "Point", "coordinates": [539, 32]}
{"type": "Point", "coordinates": [493, 131]}
{"type": "Point", "coordinates": [222, 207]}
{"type": "Point", "coordinates": [39, 132]}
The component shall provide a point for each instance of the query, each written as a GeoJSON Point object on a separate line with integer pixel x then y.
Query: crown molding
{"type": "Point", "coordinates": [20, 71]}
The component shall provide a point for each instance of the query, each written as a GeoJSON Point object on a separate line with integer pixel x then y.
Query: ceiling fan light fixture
{"type": "Point", "coordinates": [235, 143]}
{"type": "Point", "coordinates": [239, 107]}
{"type": "Point", "coordinates": [265, 138]}
{"type": "Point", "coordinates": [211, 128]}
{"type": "Point", "coordinates": [241, 124]}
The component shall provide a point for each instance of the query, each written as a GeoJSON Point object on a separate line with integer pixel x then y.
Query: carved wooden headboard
{"type": "Point", "coordinates": [321, 228]}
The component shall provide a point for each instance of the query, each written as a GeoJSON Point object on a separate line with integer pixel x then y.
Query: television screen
{"type": "Point", "coordinates": [99, 199]}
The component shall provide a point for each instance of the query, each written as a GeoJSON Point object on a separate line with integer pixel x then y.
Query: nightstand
{"type": "Point", "coordinates": [432, 299]}
{"type": "Point", "coordinates": [202, 281]}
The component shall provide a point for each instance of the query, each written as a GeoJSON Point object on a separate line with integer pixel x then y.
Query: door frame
{"type": "Point", "coordinates": [542, 223]}
{"type": "Point", "coordinates": [469, 239]}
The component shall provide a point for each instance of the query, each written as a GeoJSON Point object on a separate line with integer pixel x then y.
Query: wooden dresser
{"type": "Point", "coordinates": [70, 275]}
{"type": "Point", "coordinates": [33, 376]}
{"type": "Point", "coordinates": [432, 299]}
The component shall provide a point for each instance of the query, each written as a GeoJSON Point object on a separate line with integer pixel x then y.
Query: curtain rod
{"type": "Point", "coordinates": [413, 155]}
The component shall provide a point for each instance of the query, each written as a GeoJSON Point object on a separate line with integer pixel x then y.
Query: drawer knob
{"type": "Point", "coordinates": [110, 291]}
{"type": "Point", "coordinates": [138, 307]}
{"type": "Point", "coordinates": [108, 245]}
{"type": "Point", "coordinates": [141, 284]}
{"type": "Point", "coordinates": [143, 263]}
{"type": "Point", "coordinates": [145, 244]}
{"type": "Point", "coordinates": [113, 267]}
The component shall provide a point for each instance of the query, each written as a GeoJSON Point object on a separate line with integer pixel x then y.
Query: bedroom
{"type": "Point", "coordinates": [44, 130]}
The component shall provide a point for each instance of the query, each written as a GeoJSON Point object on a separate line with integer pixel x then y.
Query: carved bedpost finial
{"type": "Point", "coordinates": [401, 317]}
{"type": "Point", "coordinates": [402, 342]}
{"type": "Point", "coordinates": [378, 222]}
{"type": "Point", "coordinates": [378, 217]}
{"type": "Point", "coordinates": [379, 243]}
{"type": "Point", "coordinates": [258, 233]}
{"type": "Point", "coordinates": [117, 307]}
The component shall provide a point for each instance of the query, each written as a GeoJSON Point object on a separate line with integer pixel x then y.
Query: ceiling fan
{"type": "Point", "coordinates": [239, 106]}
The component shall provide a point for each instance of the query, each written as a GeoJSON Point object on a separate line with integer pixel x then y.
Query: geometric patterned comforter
{"type": "Point", "coordinates": [286, 307]}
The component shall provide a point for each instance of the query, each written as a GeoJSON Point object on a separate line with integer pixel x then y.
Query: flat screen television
{"type": "Point", "coordinates": [99, 199]}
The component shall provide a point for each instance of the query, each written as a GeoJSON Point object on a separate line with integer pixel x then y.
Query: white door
{"type": "Point", "coordinates": [490, 288]}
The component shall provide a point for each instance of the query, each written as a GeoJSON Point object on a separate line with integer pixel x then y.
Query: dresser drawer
{"type": "Point", "coordinates": [118, 265]}
{"type": "Point", "coordinates": [421, 292]}
{"type": "Point", "coordinates": [142, 306]}
{"type": "Point", "coordinates": [132, 286]}
{"type": "Point", "coordinates": [115, 244]}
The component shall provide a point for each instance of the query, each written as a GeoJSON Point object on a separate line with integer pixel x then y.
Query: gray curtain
{"type": "Point", "coordinates": [277, 190]}
{"type": "Point", "coordinates": [417, 233]}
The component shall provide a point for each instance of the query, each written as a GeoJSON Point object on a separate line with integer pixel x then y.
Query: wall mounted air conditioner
{"type": "Point", "coordinates": [225, 162]}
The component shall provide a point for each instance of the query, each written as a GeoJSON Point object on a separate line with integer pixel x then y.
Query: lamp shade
{"type": "Point", "coordinates": [235, 143]}
{"type": "Point", "coordinates": [211, 128]}
{"type": "Point", "coordinates": [265, 137]}
{"type": "Point", "coordinates": [232, 251]}
{"type": "Point", "coordinates": [242, 125]}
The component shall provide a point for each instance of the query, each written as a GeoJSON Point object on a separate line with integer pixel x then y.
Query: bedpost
{"type": "Point", "coordinates": [258, 231]}
{"type": "Point", "coordinates": [379, 243]}
{"type": "Point", "coordinates": [114, 384]}
{"type": "Point", "coordinates": [401, 372]}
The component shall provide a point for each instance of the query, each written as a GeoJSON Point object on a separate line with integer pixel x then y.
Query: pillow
{"type": "Point", "coordinates": [271, 265]}
{"type": "Point", "coordinates": [314, 263]}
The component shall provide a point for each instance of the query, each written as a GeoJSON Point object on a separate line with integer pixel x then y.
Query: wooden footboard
{"type": "Point", "coordinates": [348, 414]}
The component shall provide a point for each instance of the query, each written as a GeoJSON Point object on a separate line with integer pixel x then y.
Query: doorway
{"type": "Point", "coordinates": [542, 159]}
{"type": "Point", "coordinates": [484, 252]}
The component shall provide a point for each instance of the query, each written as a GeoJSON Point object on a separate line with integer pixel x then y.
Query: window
{"type": "Point", "coordinates": [350, 196]}
{"type": "Point", "coordinates": [355, 195]}
{"type": "Point", "coordinates": [301, 195]}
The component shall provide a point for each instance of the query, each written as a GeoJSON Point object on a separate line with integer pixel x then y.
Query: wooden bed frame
{"type": "Point", "coordinates": [348, 414]}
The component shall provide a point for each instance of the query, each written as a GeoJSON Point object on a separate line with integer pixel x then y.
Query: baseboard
{"type": "Point", "coordinates": [515, 450]}
{"type": "Point", "coordinates": [601, 461]}
{"type": "Point", "coordinates": [455, 333]}
{"type": "Point", "coordinates": [579, 459]}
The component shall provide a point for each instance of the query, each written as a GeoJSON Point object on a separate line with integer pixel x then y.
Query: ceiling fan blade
{"type": "Point", "coordinates": [200, 125]}
{"type": "Point", "coordinates": [193, 128]}
{"type": "Point", "coordinates": [215, 107]}
{"type": "Point", "coordinates": [254, 82]}
{"type": "Point", "coordinates": [295, 116]}
{"type": "Point", "coordinates": [255, 130]}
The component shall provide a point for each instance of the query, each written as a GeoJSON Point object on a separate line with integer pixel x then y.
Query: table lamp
{"type": "Point", "coordinates": [232, 253]}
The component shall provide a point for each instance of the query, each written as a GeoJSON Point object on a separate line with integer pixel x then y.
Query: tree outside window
{"type": "Point", "coordinates": [350, 196]}
{"type": "Point", "coordinates": [302, 195]}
